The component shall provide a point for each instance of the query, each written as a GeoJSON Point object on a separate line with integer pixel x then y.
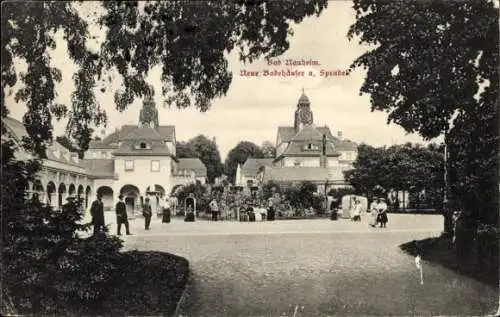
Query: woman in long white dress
{"type": "Point", "coordinates": [374, 207]}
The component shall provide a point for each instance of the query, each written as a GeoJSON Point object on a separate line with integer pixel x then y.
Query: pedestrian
{"type": "Point", "coordinates": [97, 212]}
{"type": "Point", "coordinates": [121, 216]}
{"type": "Point", "coordinates": [271, 212]}
{"type": "Point", "coordinates": [373, 210]}
{"type": "Point", "coordinates": [147, 212]}
{"type": "Point", "coordinates": [166, 211]}
{"type": "Point", "coordinates": [382, 215]}
{"type": "Point", "coordinates": [356, 210]}
{"type": "Point", "coordinates": [214, 208]}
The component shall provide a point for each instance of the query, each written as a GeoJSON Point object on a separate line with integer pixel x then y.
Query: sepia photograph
{"type": "Point", "coordinates": [294, 158]}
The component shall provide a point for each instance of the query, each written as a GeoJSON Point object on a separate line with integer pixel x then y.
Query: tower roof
{"type": "Point", "coordinates": [308, 133]}
{"type": "Point", "coordinates": [304, 100]}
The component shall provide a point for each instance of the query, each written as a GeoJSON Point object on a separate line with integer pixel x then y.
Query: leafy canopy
{"type": "Point", "coordinates": [188, 40]}
{"type": "Point", "coordinates": [238, 155]}
{"type": "Point", "coordinates": [206, 150]}
{"type": "Point", "coordinates": [429, 59]}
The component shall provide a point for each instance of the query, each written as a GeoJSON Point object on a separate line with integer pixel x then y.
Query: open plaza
{"type": "Point", "coordinates": [313, 267]}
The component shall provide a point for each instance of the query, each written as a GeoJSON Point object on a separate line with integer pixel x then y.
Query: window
{"type": "Point", "coordinates": [249, 183]}
{"type": "Point", "coordinates": [143, 145]}
{"type": "Point", "coordinates": [155, 166]}
{"type": "Point", "coordinates": [311, 147]}
{"type": "Point", "coordinates": [129, 165]}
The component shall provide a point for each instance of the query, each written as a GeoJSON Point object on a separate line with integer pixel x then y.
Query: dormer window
{"type": "Point", "coordinates": [142, 146]}
{"type": "Point", "coordinates": [311, 147]}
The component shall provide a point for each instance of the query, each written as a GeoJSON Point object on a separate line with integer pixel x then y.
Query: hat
{"type": "Point", "coordinates": [70, 198]}
{"type": "Point", "coordinates": [382, 199]}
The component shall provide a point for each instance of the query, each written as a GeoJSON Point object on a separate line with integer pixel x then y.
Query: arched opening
{"type": "Point", "coordinates": [157, 190]}
{"type": "Point", "coordinates": [51, 194]}
{"type": "Point", "coordinates": [88, 191]}
{"type": "Point", "coordinates": [131, 196]}
{"type": "Point", "coordinates": [176, 189]}
{"type": "Point", "coordinates": [107, 197]}
{"type": "Point", "coordinates": [62, 195]}
{"type": "Point", "coordinates": [79, 192]}
{"type": "Point", "coordinates": [71, 190]}
{"type": "Point", "coordinates": [155, 195]}
{"type": "Point", "coordinates": [38, 191]}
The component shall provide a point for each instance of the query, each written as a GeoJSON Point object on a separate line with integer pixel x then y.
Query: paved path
{"type": "Point", "coordinates": [312, 268]}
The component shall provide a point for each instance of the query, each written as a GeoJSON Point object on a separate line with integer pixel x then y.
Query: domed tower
{"type": "Point", "coordinates": [303, 114]}
{"type": "Point", "coordinates": [148, 116]}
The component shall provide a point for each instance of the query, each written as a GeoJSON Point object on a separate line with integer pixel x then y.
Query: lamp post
{"type": "Point", "coordinates": [447, 213]}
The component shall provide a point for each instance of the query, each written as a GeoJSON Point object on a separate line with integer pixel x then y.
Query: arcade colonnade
{"type": "Point", "coordinates": [134, 194]}
{"type": "Point", "coordinates": [54, 186]}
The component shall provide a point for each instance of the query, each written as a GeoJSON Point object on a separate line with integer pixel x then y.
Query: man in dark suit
{"type": "Point", "coordinates": [121, 216]}
{"type": "Point", "coordinates": [97, 212]}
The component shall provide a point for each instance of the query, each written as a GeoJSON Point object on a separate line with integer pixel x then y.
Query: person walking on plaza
{"type": "Point", "coordinates": [372, 219]}
{"type": "Point", "coordinates": [147, 212]}
{"type": "Point", "coordinates": [97, 212]}
{"type": "Point", "coordinates": [356, 210]}
{"type": "Point", "coordinates": [271, 212]}
{"type": "Point", "coordinates": [121, 216]}
{"type": "Point", "coordinates": [166, 211]}
{"type": "Point", "coordinates": [382, 215]}
{"type": "Point", "coordinates": [214, 208]}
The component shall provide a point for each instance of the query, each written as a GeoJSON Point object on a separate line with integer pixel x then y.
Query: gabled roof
{"type": "Point", "coordinates": [252, 165]}
{"type": "Point", "coordinates": [167, 133]}
{"type": "Point", "coordinates": [296, 149]}
{"type": "Point", "coordinates": [18, 131]}
{"type": "Point", "coordinates": [100, 168]}
{"type": "Point", "coordinates": [95, 144]}
{"type": "Point", "coordinates": [143, 134]}
{"type": "Point", "coordinates": [286, 134]}
{"type": "Point", "coordinates": [308, 133]}
{"type": "Point", "coordinates": [295, 174]}
{"type": "Point", "coordinates": [130, 148]}
{"type": "Point", "coordinates": [193, 164]}
{"type": "Point", "coordinates": [16, 127]}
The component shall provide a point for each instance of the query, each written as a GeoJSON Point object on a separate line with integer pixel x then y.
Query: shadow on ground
{"type": "Point", "coordinates": [440, 251]}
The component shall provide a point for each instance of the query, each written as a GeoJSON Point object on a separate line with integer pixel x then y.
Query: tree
{"type": "Point", "coordinates": [411, 168]}
{"type": "Point", "coordinates": [368, 171]}
{"type": "Point", "coordinates": [268, 149]}
{"type": "Point", "coordinates": [206, 150]}
{"type": "Point", "coordinates": [432, 61]}
{"type": "Point", "coordinates": [188, 40]}
{"type": "Point", "coordinates": [66, 142]}
{"type": "Point", "coordinates": [238, 155]}
{"type": "Point", "coordinates": [185, 150]}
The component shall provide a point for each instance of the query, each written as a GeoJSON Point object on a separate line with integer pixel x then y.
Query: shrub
{"type": "Point", "coordinates": [47, 267]}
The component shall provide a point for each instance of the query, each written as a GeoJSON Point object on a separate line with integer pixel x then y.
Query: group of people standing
{"type": "Point", "coordinates": [98, 222]}
{"type": "Point", "coordinates": [378, 213]}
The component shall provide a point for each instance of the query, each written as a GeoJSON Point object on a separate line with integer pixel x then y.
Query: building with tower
{"type": "Point", "coordinates": [140, 160]}
{"type": "Point", "coordinates": [304, 152]}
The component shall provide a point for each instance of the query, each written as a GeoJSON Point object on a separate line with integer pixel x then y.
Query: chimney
{"type": "Point", "coordinates": [74, 157]}
{"type": "Point", "coordinates": [339, 134]}
{"type": "Point", "coordinates": [322, 160]}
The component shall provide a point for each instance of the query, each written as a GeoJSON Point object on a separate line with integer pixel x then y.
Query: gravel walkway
{"type": "Point", "coordinates": [313, 268]}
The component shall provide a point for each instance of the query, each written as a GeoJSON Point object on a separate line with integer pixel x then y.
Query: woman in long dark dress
{"type": "Point", "coordinates": [166, 212]}
{"type": "Point", "coordinates": [147, 212]}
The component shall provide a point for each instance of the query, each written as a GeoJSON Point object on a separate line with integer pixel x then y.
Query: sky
{"type": "Point", "coordinates": [255, 106]}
